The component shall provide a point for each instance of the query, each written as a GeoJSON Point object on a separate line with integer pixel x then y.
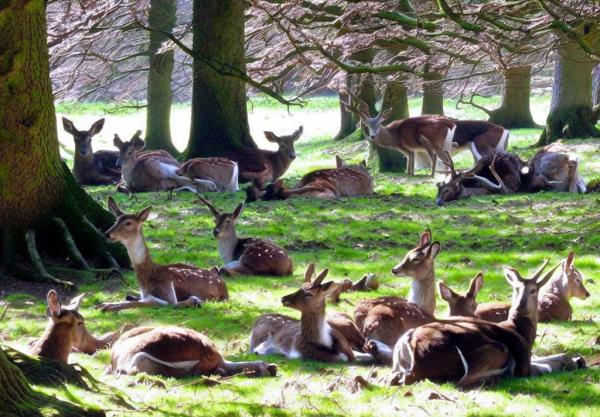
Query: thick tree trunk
{"type": "Point", "coordinates": [348, 121]}
{"type": "Point", "coordinates": [596, 94]}
{"type": "Point", "coordinates": [219, 115]}
{"type": "Point", "coordinates": [162, 16]}
{"type": "Point", "coordinates": [571, 107]}
{"type": "Point", "coordinates": [515, 111]}
{"type": "Point", "coordinates": [38, 194]}
{"type": "Point", "coordinates": [433, 93]}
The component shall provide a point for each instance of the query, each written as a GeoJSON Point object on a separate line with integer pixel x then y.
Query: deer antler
{"type": "Point", "coordinates": [503, 187]}
{"type": "Point", "coordinates": [210, 206]}
{"type": "Point", "coordinates": [450, 164]}
{"type": "Point", "coordinates": [358, 104]}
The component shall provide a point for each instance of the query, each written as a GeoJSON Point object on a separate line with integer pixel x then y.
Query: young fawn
{"type": "Point", "coordinates": [177, 352]}
{"type": "Point", "coordinates": [66, 332]}
{"type": "Point", "coordinates": [247, 256]}
{"type": "Point", "coordinates": [174, 284]}
{"type": "Point", "coordinates": [311, 337]}
{"type": "Point", "coordinates": [89, 167]}
{"type": "Point", "coordinates": [475, 351]}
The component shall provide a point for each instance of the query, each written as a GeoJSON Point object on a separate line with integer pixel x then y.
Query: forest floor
{"type": "Point", "coordinates": [351, 237]}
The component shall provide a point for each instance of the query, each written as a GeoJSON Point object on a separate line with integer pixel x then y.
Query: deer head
{"type": "Point", "coordinates": [462, 305]}
{"type": "Point", "coordinates": [372, 125]}
{"type": "Point", "coordinates": [572, 279]}
{"type": "Point", "coordinates": [83, 138]}
{"type": "Point", "coordinates": [127, 227]}
{"type": "Point", "coordinates": [224, 222]}
{"type": "Point", "coordinates": [418, 262]}
{"type": "Point", "coordinates": [286, 143]}
{"type": "Point", "coordinates": [452, 187]}
{"type": "Point", "coordinates": [311, 296]}
{"type": "Point", "coordinates": [128, 150]}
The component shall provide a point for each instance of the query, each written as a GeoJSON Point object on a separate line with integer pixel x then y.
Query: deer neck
{"type": "Point", "coordinates": [227, 244]}
{"type": "Point", "coordinates": [524, 322]}
{"type": "Point", "coordinates": [422, 292]}
{"type": "Point", "coordinates": [314, 329]}
{"type": "Point", "coordinates": [280, 163]}
{"type": "Point", "coordinates": [385, 138]}
{"type": "Point", "coordinates": [84, 160]}
{"type": "Point", "coordinates": [140, 258]}
{"type": "Point", "coordinates": [55, 343]}
{"type": "Point", "coordinates": [127, 168]}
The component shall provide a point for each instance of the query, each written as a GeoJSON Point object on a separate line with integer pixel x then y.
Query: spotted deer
{"type": "Point", "coordinates": [469, 352]}
{"type": "Point", "coordinates": [177, 352]}
{"type": "Point", "coordinates": [89, 167]}
{"type": "Point", "coordinates": [259, 166]}
{"type": "Point", "coordinates": [311, 338]}
{"type": "Point", "coordinates": [383, 320]}
{"type": "Point", "coordinates": [246, 256]}
{"type": "Point", "coordinates": [222, 172]}
{"type": "Point", "coordinates": [429, 135]}
{"type": "Point", "coordinates": [174, 284]}
{"type": "Point", "coordinates": [66, 332]}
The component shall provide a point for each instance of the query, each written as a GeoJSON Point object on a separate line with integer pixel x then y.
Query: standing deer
{"type": "Point", "coordinates": [247, 256]}
{"type": "Point", "coordinates": [430, 135]}
{"type": "Point", "coordinates": [480, 137]}
{"type": "Point", "coordinates": [89, 167]}
{"type": "Point", "coordinates": [551, 168]}
{"type": "Point", "coordinates": [177, 352]}
{"type": "Point", "coordinates": [261, 167]}
{"type": "Point", "coordinates": [383, 320]}
{"type": "Point", "coordinates": [175, 284]}
{"type": "Point", "coordinates": [311, 338]}
{"type": "Point", "coordinates": [66, 332]}
{"type": "Point", "coordinates": [469, 351]}
{"type": "Point", "coordinates": [222, 172]}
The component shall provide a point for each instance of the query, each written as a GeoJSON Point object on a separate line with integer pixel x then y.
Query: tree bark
{"type": "Point", "coordinates": [219, 114]}
{"type": "Point", "coordinates": [348, 121]}
{"type": "Point", "coordinates": [162, 16]}
{"type": "Point", "coordinates": [571, 106]}
{"type": "Point", "coordinates": [433, 93]}
{"type": "Point", "coordinates": [36, 188]}
{"type": "Point", "coordinates": [596, 85]}
{"type": "Point", "coordinates": [515, 111]}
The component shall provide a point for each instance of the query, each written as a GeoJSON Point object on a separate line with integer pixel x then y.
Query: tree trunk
{"type": "Point", "coordinates": [38, 194]}
{"type": "Point", "coordinates": [219, 114]}
{"type": "Point", "coordinates": [515, 111]}
{"type": "Point", "coordinates": [571, 107]}
{"type": "Point", "coordinates": [162, 16]}
{"type": "Point", "coordinates": [433, 93]}
{"type": "Point", "coordinates": [348, 120]}
{"type": "Point", "coordinates": [596, 94]}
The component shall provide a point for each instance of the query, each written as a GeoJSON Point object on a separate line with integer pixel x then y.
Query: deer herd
{"type": "Point", "coordinates": [477, 344]}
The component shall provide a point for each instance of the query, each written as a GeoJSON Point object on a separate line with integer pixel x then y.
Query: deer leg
{"type": "Point", "coordinates": [410, 169]}
{"type": "Point", "coordinates": [379, 351]}
{"type": "Point", "coordinates": [556, 363]}
{"type": "Point", "coordinates": [235, 268]}
{"type": "Point", "coordinates": [149, 301]}
{"type": "Point", "coordinates": [254, 369]}
{"type": "Point", "coordinates": [192, 301]}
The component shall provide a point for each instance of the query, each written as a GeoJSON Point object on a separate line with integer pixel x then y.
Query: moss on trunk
{"type": "Point", "coordinates": [386, 159]}
{"type": "Point", "coordinates": [515, 111]}
{"type": "Point", "coordinates": [433, 93]}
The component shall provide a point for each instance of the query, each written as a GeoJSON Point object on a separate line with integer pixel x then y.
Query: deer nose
{"type": "Point", "coordinates": [395, 270]}
{"type": "Point", "coordinates": [439, 201]}
{"type": "Point", "coordinates": [293, 155]}
{"type": "Point", "coordinates": [216, 232]}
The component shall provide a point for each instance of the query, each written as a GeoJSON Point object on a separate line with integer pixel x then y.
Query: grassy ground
{"type": "Point", "coordinates": [351, 237]}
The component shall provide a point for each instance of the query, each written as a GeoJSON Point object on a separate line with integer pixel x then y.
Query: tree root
{"type": "Point", "coordinates": [40, 273]}
{"type": "Point", "coordinates": [70, 245]}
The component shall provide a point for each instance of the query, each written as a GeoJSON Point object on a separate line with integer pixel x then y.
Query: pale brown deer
{"type": "Point", "coordinates": [552, 168]}
{"type": "Point", "coordinates": [383, 320]}
{"type": "Point", "coordinates": [311, 338]}
{"type": "Point", "coordinates": [89, 167]}
{"type": "Point", "coordinates": [429, 135]}
{"type": "Point", "coordinates": [246, 256]}
{"type": "Point", "coordinates": [174, 284]}
{"type": "Point", "coordinates": [261, 167]}
{"type": "Point", "coordinates": [470, 352]}
{"type": "Point", "coordinates": [480, 137]}
{"type": "Point", "coordinates": [222, 172]}
{"type": "Point", "coordinates": [177, 352]}
{"type": "Point", "coordinates": [66, 332]}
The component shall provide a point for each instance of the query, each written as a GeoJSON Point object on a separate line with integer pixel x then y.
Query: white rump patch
{"type": "Point", "coordinates": [503, 143]}
{"type": "Point", "coordinates": [464, 362]}
{"type": "Point", "coordinates": [234, 185]}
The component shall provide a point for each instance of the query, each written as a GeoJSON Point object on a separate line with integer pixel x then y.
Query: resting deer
{"type": "Point", "coordinates": [343, 181]}
{"type": "Point", "coordinates": [474, 351]}
{"type": "Point", "coordinates": [311, 338]}
{"type": "Point", "coordinates": [383, 320]}
{"type": "Point", "coordinates": [553, 169]}
{"type": "Point", "coordinates": [89, 167]}
{"type": "Point", "coordinates": [430, 135]}
{"type": "Point", "coordinates": [152, 171]}
{"type": "Point", "coordinates": [177, 352]}
{"type": "Point", "coordinates": [222, 172]}
{"type": "Point", "coordinates": [66, 332]}
{"type": "Point", "coordinates": [175, 284]}
{"type": "Point", "coordinates": [261, 167]}
{"type": "Point", "coordinates": [480, 137]}
{"type": "Point", "coordinates": [246, 256]}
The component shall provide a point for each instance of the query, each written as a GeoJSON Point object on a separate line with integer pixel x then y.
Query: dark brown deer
{"type": "Point", "coordinates": [480, 137]}
{"type": "Point", "coordinates": [261, 167]}
{"type": "Point", "coordinates": [470, 352]}
{"type": "Point", "coordinates": [174, 284]}
{"type": "Point", "coordinates": [247, 256]}
{"type": "Point", "coordinates": [177, 352]}
{"type": "Point", "coordinates": [89, 167]}
{"type": "Point", "coordinates": [553, 169]}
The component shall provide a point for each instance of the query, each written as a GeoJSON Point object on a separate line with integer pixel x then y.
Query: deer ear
{"type": "Point", "coordinates": [96, 127]}
{"type": "Point", "coordinates": [329, 287]}
{"type": "Point", "coordinates": [296, 135]}
{"type": "Point", "coordinates": [511, 275]}
{"type": "Point", "coordinates": [310, 271]}
{"type": "Point", "coordinates": [138, 143]}
{"type": "Point", "coordinates": [271, 137]}
{"type": "Point", "coordinates": [68, 126]}
{"type": "Point", "coordinates": [113, 207]}
{"type": "Point", "coordinates": [143, 215]}
{"type": "Point", "coordinates": [434, 250]}
{"type": "Point", "coordinates": [385, 115]}
{"type": "Point", "coordinates": [568, 263]}
{"type": "Point", "coordinates": [319, 279]}
{"type": "Point", "coordinates": [117, 141]}
{"type": "Point", "coordinates": [445, 291]}
{"type": "Point", "coordinates": [476, 284]}
{"type": "Point", "coordinates": [339, 163]}
{"type": "Point", "coordinates": [75, 303]}
{"type": "Point", "coordinates": [238, 211]}
{"type": "Point", "coordinates": [54, 305]}
{"type": "Point", "coordinates": [425, 238]}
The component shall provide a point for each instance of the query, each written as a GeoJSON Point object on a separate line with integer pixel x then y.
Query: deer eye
{"type": "Point", "coordinates": [80, 324]}
{"type": "Point", "coordinates": [128, 223]}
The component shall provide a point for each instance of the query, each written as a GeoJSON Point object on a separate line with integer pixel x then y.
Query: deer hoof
{"type": "Point", "coordinates": [196, 302]}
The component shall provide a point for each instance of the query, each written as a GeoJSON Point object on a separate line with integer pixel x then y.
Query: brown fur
{"type": "Point", "coordinates": [217, 170]}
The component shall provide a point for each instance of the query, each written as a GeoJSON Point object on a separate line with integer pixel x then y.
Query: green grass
{"type": "Point", "coordinates": [352, 237]}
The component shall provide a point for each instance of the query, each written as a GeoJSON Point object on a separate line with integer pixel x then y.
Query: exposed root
{"type": "Point", "coordinates": [70, 245]}
{"type": "Point", "coordinates": [40, 273]}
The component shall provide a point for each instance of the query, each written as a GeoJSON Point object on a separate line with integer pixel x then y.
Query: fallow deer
{"type": "Point", "coordinates": [383, 320]}
{"type": "Point", "coordinates": [175, 284]}
{"type": "Point", "coordinates": [261, 167]}
{"type": "Point", "coordinates": [480, 137]}
{"type": "Point", "coordinates": [552, 168]}
{"type": "Point", "coordinates": [89, 167]}
{"type": "Point", "coordinates": [66, 332]}
{"type": "Point", "coordinates": [152, 171]}
{"type": "Point", "coordinates": [343, 181]}
{"type": "Point", "coordinates": [177, 352]}
{"type": "Point", "coordinates": [311, 338]}
{"type": "Point", "coordinates": [429, 135]}
{"type": "Point", "coordinates": [246, 256]}
{"type": "Point", "coordinates": [221, 171]}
